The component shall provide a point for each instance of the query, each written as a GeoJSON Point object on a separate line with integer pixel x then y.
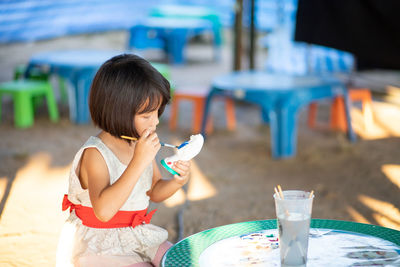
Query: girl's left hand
{"type": "Point", "coordinates": [181, 167]}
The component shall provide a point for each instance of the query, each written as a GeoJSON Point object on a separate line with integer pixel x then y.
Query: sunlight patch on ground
{"type": "Point", "coordinates": [392, 94]}
{"type": "Point", "coordinates": [385, 221]}
{"type": "Point", "coordinates": [176, 199]}
{"type": "Point", "coordinates": [32, 218]}
{"type": "Point", "coordinates": [381, 126]}
{"type": "Point", "coordinates": [358, 217]}
{"type": "Point", "coordinates": [386, 214]}
{"type": "Point", "coordinates": [392, 172]}
{"type": "Point", "coordinates": [3, 186]}
{"type": "Point", "coordinates": [199, 187]}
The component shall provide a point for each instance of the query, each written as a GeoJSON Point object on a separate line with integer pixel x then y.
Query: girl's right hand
{"type": "Point", "coordinates": [147, 147]}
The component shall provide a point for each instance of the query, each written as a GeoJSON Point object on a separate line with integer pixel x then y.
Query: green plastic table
{"type": "Point", "coordinates": [187, 251]}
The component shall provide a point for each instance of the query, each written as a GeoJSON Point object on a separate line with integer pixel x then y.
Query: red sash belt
{"type": "Point", "coordinates": [121, 219]}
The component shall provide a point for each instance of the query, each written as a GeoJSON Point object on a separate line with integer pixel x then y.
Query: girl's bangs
{"type": "Point", "coordinates": [152, 103]}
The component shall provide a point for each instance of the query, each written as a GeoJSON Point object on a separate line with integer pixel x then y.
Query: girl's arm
{"type": "Point", "coordinates": [163, 189]}
{"type": "Point", "coordinates": [107, 199]}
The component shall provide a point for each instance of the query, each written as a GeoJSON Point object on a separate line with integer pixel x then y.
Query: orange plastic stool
{"type": "Point", "coordinates": [338, 114]}
{"type": "Point", "coordinates": [198, 98]}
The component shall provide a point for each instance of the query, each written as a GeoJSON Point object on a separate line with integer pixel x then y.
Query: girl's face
{"type": "Point", "coordinates": [146, 121]}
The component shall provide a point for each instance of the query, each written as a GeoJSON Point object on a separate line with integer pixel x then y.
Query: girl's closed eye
{"type": "Point", "coordinates": [148, 115]}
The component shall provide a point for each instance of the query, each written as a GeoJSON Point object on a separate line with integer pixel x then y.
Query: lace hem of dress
{"type": "Point", "coordinates": [143, 240]}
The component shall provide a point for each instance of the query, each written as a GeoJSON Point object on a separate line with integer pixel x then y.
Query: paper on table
{"type": "Point", "coordinates": [330, 248]}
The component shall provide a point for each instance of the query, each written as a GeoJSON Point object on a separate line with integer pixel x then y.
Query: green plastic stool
{"type": "Point", "coordinates": [24, 94]}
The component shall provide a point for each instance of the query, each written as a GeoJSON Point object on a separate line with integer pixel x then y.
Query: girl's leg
{"type": "Point", "coordinates": [160, 253]}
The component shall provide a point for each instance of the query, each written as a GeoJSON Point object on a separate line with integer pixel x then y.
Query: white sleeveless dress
{"type": "Point", "coordinates": [113, 246]}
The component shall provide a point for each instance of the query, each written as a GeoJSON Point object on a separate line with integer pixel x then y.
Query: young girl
{"type": "Point", "coordinates": [112, 179]}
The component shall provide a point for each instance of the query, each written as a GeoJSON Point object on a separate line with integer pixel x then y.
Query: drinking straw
{"type": "Point", "coordinates": [311, 194]}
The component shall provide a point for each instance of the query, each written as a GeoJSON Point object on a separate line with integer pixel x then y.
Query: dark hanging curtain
{"type": "Point", "coordinates": [370, 29]}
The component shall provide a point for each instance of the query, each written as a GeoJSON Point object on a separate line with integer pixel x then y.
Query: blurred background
{"type": "Point", "coordinates": [50, 50]}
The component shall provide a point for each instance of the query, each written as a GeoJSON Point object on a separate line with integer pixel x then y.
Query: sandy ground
{"type": "Point", "coordinates": [232, 178]}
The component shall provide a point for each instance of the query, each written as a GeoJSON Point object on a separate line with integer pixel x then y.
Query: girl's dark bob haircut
{"type": "Point", "coordinates": [124, 86]}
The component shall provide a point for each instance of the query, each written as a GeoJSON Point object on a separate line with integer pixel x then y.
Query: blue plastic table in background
{"type": "Point", "coordinates": [191, 12]}
{"type": "Point", "coordinates": [79, 67]}
{"type": "Point", "coordinates": [280, 97]}
{"type": "Point", "coordinates": [170, 34]}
